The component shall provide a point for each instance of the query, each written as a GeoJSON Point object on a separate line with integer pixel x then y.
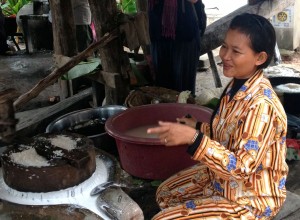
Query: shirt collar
{"type": "Point", "coordinates": [249, 86]}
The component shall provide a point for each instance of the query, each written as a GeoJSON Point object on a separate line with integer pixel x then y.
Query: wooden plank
{"type": "Point", "coordinates": [215, 32]}
{"type": "Point", "coordinates": [32, 118]}
{"type": "Point", "coordinates": [105, 78]}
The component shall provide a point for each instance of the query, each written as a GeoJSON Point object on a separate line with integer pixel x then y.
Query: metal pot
{"type": "Point", "coordinates": [288, 99]}
{"type": "Point", "coordinates": [92, 122]}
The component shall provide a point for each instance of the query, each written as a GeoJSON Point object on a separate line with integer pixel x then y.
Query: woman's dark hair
{"type": "Point", "coordinates": [260, 31]}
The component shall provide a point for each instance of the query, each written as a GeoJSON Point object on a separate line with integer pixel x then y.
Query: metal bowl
{"type": "Point", "coordinates": [96, 133]}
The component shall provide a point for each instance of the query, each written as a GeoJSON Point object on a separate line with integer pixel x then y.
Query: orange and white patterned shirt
{"type": "Point", "coordinates": [246, 157]}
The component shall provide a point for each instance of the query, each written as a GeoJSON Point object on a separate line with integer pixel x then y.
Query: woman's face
{"type": "Point", "coordinates": [238, 58]}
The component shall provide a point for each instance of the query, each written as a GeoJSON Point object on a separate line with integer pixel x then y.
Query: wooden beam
{"type": "Point", "coordinates": [215, 32]}
{"type": "Point", "coordinates": [38, 117]}
{"type": "Point", "coordinates": [105, 78]}
{"type": "Point", "coordinates": [52, 77]}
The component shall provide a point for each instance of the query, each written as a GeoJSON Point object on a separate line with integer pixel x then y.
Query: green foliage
{"type": "Point", "coordinates": [11, 7]}
{"type": "Point", "coordinates": [83, 68]}
{"type": "Point", "coordinates": [127, 6]}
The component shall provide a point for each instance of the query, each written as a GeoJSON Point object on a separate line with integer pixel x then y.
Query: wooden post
{"type": "Point", "coordinates": [104, 14]}
{"type": "Point", "coordinates": [7, 115]}
{"type": "Point", "coordinates": [142, 5]}
{"type": "Point", "coordinates": [64, 36]}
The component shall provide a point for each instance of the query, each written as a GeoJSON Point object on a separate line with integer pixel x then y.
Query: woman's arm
{"type": "Point", "coordinates": [257, 131]}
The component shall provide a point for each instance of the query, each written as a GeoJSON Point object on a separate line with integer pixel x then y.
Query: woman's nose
{"type": "Point", "coordinates": [225, 54]}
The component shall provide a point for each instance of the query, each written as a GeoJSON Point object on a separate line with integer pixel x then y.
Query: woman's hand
{"type": "Point", "coordinates": [172, 134]}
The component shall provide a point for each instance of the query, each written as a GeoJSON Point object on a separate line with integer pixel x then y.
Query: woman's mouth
{"type": "Point", "coordinates": [226, 66]}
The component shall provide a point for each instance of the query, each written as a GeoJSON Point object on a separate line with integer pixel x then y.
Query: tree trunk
{"type": "Point", "coordinates": [215, 33]}
{"type": "Point", "coordinates": [142, 5]}
{"type": "Point", "coordinates": [104, 14]}
{"type": "Point", "coordinates": [64, 35]}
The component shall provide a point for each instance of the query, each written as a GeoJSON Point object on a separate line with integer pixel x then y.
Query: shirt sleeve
{"type": "Point", "coordinates": [257, 130]}
{"type": "Point", "coordinates": [205, 128]}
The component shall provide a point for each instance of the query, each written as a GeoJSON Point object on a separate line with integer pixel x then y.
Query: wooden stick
{"type": "Point", "coordinates": [214, 69]}
{"type": "Point", "coordinates": [54, 75]}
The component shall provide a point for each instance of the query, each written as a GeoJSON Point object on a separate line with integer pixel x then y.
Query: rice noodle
{"type": "Point", "coordinates": [29, 157]}
{"type": "Point", "coordinates": [64, 142]}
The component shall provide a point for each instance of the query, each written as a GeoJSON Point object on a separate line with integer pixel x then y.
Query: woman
{"type": "Point", "coordinates": [242, 169]}
{"type": "Point", "coordinates": [175, 28]}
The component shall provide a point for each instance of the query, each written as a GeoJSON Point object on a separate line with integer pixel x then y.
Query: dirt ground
{"type": "Point", "coordinates": [22, 71]}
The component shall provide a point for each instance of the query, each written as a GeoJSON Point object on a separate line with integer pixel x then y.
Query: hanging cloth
{"type": "Point", "coordinates": [169, 17]}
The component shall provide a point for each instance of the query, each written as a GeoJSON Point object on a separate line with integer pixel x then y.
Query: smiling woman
{"type": "Point", "coordinates": [242, 171]}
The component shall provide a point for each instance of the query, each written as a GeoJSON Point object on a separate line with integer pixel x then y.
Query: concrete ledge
{"type": "Point", "coordinates": [290, 209]}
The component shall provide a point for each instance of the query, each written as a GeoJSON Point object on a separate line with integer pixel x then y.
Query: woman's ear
{"type": "Point", "coordinates": [261, 58]}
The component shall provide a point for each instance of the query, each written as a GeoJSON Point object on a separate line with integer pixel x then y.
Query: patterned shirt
{"type": "Point", "coordinates": [246, 158]}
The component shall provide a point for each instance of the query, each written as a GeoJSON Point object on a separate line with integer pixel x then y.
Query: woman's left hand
{"type": "Point", "coordinates": [172, 134]}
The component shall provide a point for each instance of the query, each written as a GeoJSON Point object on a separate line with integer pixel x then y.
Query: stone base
{"type": "Point", "coordinates": [290, 209]}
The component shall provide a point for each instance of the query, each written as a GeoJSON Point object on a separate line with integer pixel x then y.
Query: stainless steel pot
{"type": "Point", "coordinates": [95, 132]}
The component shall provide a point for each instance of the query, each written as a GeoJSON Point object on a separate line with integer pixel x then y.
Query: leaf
{"type": "Point", "coordinates": [5, 5]}
{"type": "Point", "coordinates": [156, 182]}
{"type": "Point", "coordinates": [12, 7]}
{"type": "Point", "coordinates": [81, 69]}
{"type": "Point", "coordinates": [129, 6]}
{"type": "Point", "coordinates": [137, 182]}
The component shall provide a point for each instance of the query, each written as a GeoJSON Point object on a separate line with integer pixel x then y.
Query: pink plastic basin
{"type": "Point", "coordinates": [146, 157]}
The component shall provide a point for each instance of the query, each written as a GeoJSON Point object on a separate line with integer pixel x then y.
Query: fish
{"type": "Point", "coordinates": [98, 189]}
{"type": "Point", "coordinates": [117, 205]}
